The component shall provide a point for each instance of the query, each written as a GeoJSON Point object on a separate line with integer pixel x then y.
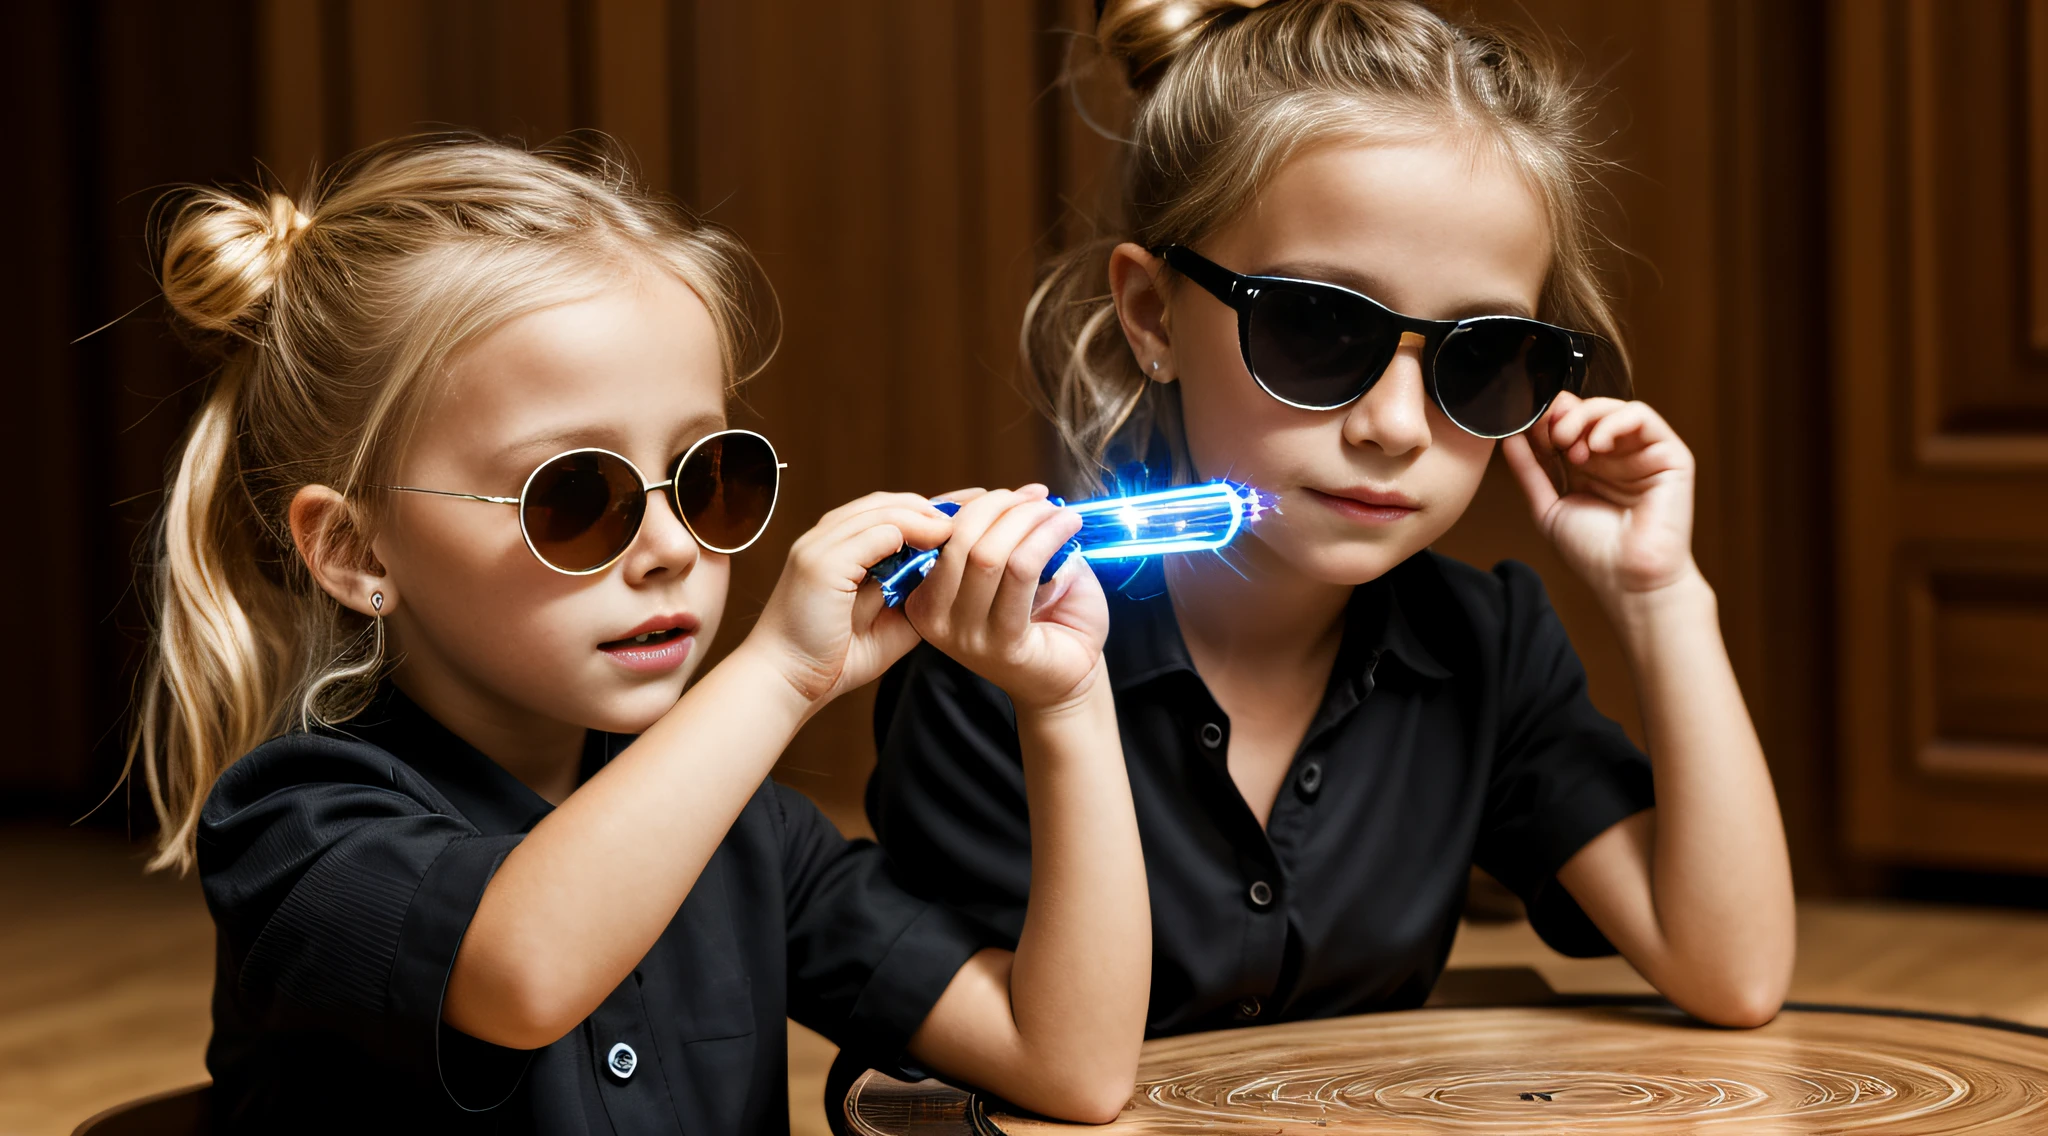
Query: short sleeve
{"type": "Point", "coordinates": [1563, 772]}
{"type": "Point", "coordinates": [947, 795]}
{"type": "Point", "coordinates": [342, 893]}
{"type": "Point", "coordinates": [867, 959]}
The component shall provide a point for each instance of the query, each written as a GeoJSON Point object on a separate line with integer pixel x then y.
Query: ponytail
{"type": "Point", "coordinates": [210, 690]}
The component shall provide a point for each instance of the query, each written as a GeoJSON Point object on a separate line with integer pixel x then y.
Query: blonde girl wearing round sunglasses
{"type": "Point", "coordinates": [481, 854]}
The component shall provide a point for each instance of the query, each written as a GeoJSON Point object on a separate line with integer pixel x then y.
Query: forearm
{"type": "Point", "coordinates": [1719, 877]}
{"type": "Point", "coordinates": [1078, 986]}
{"type": "Point", "coordinates": [579, 902]}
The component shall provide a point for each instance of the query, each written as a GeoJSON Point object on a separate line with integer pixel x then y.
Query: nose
{"type": "Point", "coordinates": [1394, 414]}
{"type": "Point", "coordinates": [663, 546]}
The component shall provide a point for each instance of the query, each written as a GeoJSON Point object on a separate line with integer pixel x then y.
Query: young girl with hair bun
{"type": "Point", "coordinates": [1356, 255]}
{"type": "Point", "coordinates": [451, 529]}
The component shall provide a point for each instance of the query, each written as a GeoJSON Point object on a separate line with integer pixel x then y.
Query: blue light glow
{"type": "Point", "coordinates": [1185, 518]}
{"type": "Point", "coordinates": [1121, 526]}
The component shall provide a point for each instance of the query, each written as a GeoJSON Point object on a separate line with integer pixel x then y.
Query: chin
{"type": "Point", "coordinates": [633, 710]}
{"type": "Point", "coordinates": [1331, 558]}
{"type": "Point", "coordinates": [1351, 566]}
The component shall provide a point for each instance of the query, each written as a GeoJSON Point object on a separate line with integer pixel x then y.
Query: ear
{"type": "Point", "coordinates": [332, 543]}
{"type": "Point", "coordinates": [1137, 282]}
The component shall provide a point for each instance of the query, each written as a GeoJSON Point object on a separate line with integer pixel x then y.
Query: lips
{"type": "Point", "coordinates": [1367, 506]}
{"type": "Point", "coordinates": [662, 643]}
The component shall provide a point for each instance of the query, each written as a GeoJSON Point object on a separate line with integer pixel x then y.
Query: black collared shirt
{"type": "Point", "coordinates": [343, 868]}
{"type": "Point", "coordinates": [1455, 730]}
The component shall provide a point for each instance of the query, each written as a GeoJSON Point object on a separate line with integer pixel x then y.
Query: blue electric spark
{"type": "Point", "coordinates": [1122, 526]}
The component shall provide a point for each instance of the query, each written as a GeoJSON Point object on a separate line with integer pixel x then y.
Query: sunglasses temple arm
{"type": "Point", "coordinates": [450, 493]}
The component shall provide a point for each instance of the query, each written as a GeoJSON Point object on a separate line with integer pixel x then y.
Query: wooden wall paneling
{"type": "Point", "coordinates": [1943, 498]}
{"type": "Point", "coordinates": [292, 76]}
{"type": "Point", "coordinates": [1777, 457]}
{"type": "Point", "coordinates": [1863, 302]}
{"type": "Point", "coordinates": [2036, 192]}
{"type": "Point", "coordinates": [48, 301]}
{"type": "Point", "coordinates": [873, 158]}
{"type": "Point", "coordinates": [631, 84]}
{"type": "Point", "coordinates": [169, 100]}
{"type": "Point", "coordinates": [1978, 400]}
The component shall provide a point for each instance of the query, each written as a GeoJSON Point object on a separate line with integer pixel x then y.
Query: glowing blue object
{"type": "Point", "coordinates": [1184, 518]}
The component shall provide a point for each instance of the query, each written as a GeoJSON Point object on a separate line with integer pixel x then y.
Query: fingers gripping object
{"type": "Point", "coordinates": [1126, 526]}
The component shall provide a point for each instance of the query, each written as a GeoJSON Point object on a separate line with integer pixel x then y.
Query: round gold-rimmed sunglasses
{"type": "Point", "coordinates": [580, 510]}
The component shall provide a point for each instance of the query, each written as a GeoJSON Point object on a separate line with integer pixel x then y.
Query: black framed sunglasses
{"type": "Point", "coordinates": [580, 510]}
{"type": "Point", "coordinates": [1320, 347]}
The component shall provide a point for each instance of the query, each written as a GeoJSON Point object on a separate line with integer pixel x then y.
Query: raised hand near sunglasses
{"type": "Point", "coordinates": [1696, 892]}
{"type": "Point", "coordinates": [983, 605]}
{"type": "Point", "coordinates": [1611, 484]}
{"type": "Point", "coordinates": [823, 631]}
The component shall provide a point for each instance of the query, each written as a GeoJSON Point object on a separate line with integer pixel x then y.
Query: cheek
{"type": "Point", "coordinates": [1461, 459]}
{"type": "Point", "coordinates": [1233, 427]}
{"type": "Point", "coordinates": [478, 595]}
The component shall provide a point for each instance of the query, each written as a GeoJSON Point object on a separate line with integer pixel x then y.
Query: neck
{"type": "Point", "coordinates": [544, 754]}
{"type": "Point", "coordinates": [1256, 608]}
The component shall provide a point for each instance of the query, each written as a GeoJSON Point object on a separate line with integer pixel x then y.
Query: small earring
{"type": "Point", "coordinates": [1155, 365]}
{"type": "Point", "coordinates": [377, 601]}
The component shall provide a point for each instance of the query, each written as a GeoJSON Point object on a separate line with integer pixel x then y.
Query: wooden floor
{"type": "Point", "coordinates": [105, 975]}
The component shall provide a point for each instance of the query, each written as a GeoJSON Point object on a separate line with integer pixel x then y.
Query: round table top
{"type": "Point", "coordinates": [1640, 1069]}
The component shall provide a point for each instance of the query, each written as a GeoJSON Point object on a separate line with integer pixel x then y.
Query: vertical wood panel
{"type": "Point", "coordinates": [2036, 65]}
{"type": "Point", "coordinates": [869, 156]}
{"type": "Point", "coordinates": [45, 683]}
{"type": "Point", "coordinates": [630, 82]}
{"type": "Point", "coordinates": [1943, 459]}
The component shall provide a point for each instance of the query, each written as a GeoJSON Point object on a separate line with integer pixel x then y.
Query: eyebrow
{"type": "Point", "coordinates": [559, 439]}
{"type": "Point", "coordinates": [1375, 287]}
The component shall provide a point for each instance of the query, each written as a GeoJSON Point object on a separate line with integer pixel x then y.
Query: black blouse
{"type": "Point", "coordinates": [1455, 730]}
{"type": "Point", "coordinates": [343, 868]}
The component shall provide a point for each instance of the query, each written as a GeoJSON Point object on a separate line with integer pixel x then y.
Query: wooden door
{"type": "Point", "coordinates": [1939, 186]}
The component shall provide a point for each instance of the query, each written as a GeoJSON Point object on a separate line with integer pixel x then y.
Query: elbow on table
{"type": "Point", "coordinates": [1738, 1005]}
{"type": "Point", "coordinates": [1096, 1103]}
{"type": "Point", "coordinates": [1082, 1095]}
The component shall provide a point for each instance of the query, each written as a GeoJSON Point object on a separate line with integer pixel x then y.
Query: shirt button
{"type": "Point", "coordinates": [1311, 781]}
{"type": "Point", "coordinates": [1261, 894]}
{"type": "Point", "coordinates": [1212, 735]}
{"type": "Point", "coordinates": [621, 1061]}
{"type": "Point", "coordinates": [1249, 1008]}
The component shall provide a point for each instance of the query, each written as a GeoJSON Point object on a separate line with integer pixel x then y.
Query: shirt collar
{"type": "Point", "coordinates": [1145, 642]}
{"type": "Point", "coordinates": [484, 792]}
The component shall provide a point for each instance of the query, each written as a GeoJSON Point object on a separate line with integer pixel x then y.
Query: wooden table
{"type": "Point", "coordinates": [1550, 1064]}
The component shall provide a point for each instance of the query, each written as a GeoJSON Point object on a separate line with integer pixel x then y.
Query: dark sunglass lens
{"type": "Point", "coordinates": [1494, 376]}
{"type": "Point", "coordinates": [725, 489]}
{"type": "Point", "coordinates": [1319, 346]}
{"type": "Point", "coordinates": [582, 509]}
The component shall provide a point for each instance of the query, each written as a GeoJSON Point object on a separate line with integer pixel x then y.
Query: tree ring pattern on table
{"type": "Point", "coordinates": [1598, 1069]}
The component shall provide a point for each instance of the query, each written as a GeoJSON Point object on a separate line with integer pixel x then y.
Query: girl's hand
{"type": "Point", "coordinates": [1611, 485]}
{"type": "Point", "coordinates": [821, 629]}
{"type": "Point", "coordinates": [983, 605]}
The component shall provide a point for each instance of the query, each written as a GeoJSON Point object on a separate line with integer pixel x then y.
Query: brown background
{"type": "Point", "coordinates": [1834, 214]}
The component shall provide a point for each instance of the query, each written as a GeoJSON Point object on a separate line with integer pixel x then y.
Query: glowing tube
{"type": "Point", "coordinates": [1185, 518]}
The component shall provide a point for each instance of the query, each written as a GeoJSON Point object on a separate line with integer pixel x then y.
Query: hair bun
{"type": "Point", "coordinates": [1147, 34]}
{"type": "Point", "coordinates": [224, 252]}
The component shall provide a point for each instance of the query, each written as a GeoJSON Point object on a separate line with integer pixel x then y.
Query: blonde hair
{"type": "Point", "coordinates": [332, 317]}
{"type": "Point", "coordinates": [1225, 92]}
